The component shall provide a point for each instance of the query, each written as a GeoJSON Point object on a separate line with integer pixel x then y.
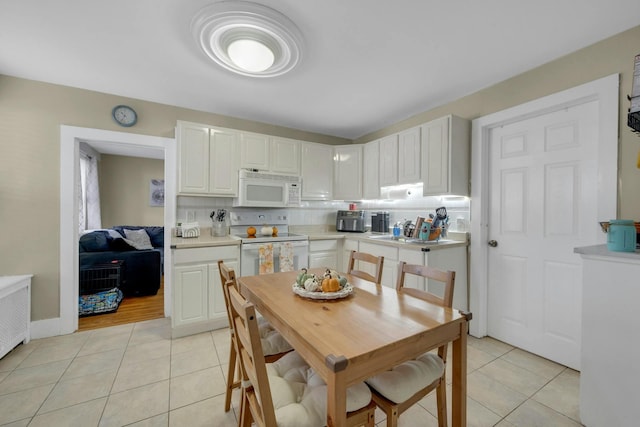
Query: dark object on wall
{"type": "Point", "coordinates": [633, 121]}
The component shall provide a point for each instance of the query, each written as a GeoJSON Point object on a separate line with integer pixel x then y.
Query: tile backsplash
{"type": "Point", "coordinates": [324, 213]}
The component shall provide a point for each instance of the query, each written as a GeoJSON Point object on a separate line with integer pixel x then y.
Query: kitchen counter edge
{"type": "Point", "coordinates": [602, 252]}
{"type": "Point", "coordinates": [203, 241]}
{"type": "Point", "coordinates": [461, 239]}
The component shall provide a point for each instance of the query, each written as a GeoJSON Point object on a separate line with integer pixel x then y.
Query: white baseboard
{"type": "Point", "coordinates": [46, 328]}
{"type": "Point", "coordinates": [199, 327]}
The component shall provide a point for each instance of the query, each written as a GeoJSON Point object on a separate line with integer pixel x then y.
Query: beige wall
{"type": "Point", "coordinates": [613, 55]}
{"type": "Point", "coordinates": [30, 117]}
{"type": "Point", "coordinates": [124, 190]}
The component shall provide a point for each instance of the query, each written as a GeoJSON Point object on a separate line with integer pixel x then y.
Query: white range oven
{"type": "Point", "coordinates": [283, 248]}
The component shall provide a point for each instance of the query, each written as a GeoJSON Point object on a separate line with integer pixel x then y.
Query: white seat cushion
{"type": "Point", "coordinates": [406, 379]}
{"type": "Point", "coordinates": [299, 395]}
{"type": "Point", "coordinates": [272, 341]}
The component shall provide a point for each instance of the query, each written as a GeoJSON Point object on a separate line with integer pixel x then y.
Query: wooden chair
{"type": "Point", "coordinates": [289, 383]}
{"type": "Point", "coordinates": [274, 346]}
{"type": "Point", "coordinates": [371, 259]}
{"type": "Point", "coordinates": [397, 390]}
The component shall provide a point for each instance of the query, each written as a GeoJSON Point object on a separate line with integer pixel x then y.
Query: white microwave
{"type": "Point", "coordinates": [267, 190]}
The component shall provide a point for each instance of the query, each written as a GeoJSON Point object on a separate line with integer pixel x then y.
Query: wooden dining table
{"type": "Point", "coordinates": [350, 339]}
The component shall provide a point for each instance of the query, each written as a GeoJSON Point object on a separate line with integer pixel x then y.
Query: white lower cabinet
{"type": "Point", "coordinates": [390, 265]}
{"type": "Point", "coordinates": [450, 259]}
{"type": "Point", "coordinates": [198, 303]}
{"type": "Point", "coordinates": [348, 245]}
{"type": "Point", "coordinates": [323, 253]}
{"type": "Point", "coordinates": [442, 258]}
{"type": "Point", "coordinates": [411, 257]}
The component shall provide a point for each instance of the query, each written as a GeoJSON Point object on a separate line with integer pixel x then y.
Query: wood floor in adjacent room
{"type": "Point", "coordinates": [131, 310]}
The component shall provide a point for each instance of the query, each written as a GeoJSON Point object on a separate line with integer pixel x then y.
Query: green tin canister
{"type": "Point", "coordinates": [621, 236]}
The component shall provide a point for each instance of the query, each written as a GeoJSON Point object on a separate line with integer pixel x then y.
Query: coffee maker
{"type": "Point", "coordinates": [380, 222]}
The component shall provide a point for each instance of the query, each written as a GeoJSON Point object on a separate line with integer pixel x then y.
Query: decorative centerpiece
{"type": "Point", "coordinates": [328, 286]}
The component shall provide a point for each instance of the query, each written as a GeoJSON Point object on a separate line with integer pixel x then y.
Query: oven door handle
{"type": "Point", "coordinates": [294, 243]}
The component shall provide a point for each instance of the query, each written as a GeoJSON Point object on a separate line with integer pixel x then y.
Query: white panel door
{"type": "Point", "coordinates": [543, 177]}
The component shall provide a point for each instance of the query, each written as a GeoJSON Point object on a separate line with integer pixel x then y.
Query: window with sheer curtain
{"type": "Point", "coordinates": [88, 192]}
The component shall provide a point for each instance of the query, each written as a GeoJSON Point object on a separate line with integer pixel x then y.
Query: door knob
{"type": "Point", "coordinates": [493, 243]}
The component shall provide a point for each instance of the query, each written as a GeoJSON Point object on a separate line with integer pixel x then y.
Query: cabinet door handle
{"type": "Point", "coordinates": [493, 243]}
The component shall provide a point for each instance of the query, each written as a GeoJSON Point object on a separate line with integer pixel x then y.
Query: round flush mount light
{"type": "Point", "coordinates": [248, 38]}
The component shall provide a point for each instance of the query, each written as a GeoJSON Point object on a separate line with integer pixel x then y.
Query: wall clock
{"type": "Point", "coordinates": [124, 115]}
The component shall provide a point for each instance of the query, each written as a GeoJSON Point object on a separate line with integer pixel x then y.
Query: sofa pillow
{"type": "Point", "coordinates": [96, 241]}
{"type": "Point", "coordinates": [156, 234]}
{"type": "Point", "coordinates": [139, 239]}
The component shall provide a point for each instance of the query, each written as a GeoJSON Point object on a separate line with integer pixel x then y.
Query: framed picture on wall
{"type": "Point", "coordinates": [156, 192]}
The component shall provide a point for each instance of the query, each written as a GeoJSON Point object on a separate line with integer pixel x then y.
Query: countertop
{"type": "Point", "coordinates": [454, 239]}
{"type": "Point", "coordinates": [204, 241]}
{"type": "Point", "coordinates": [319, 233]}
{"type": "Point", "coordinates": [601, 251]}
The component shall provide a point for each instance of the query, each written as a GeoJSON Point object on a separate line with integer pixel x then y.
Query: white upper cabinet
{"type": "Point", "coordinates": [269, 153]}
{"type": "Point", "coordinates": [193, 158]}
{"type": "Point", "coordinates": [445, 156]}
{"type": "Point", "coordinates": [347, 172]}
{"type": "Point", "coordinates": [317, 170]}
{"type": "Point", "coordinates": [254, 151]}
{"type": "Point", "coordinates": [389, 160]}
{"type": "Point", "coordinates": [223, 162]}
{"type": "Point", "coordinates": [400, 158]}
{"type": "Point", "coordinates": [285, 156]}
{"type": "Point", "coordinates": [207, 159]}
{"type": "Point", "coordinates": [409, 156]}
{"type": "Point", "coordinates": [370, 165]}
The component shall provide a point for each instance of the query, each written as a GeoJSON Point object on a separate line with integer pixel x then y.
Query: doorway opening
{"type": "Point", "coordinates": [109, 142]}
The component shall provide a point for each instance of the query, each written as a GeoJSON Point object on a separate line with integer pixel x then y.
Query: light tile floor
{"type": "Point", "coordinates": [136, 375]}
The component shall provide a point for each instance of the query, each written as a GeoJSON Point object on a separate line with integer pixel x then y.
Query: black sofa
{"type": "Point", "coordinates": [141, 270]}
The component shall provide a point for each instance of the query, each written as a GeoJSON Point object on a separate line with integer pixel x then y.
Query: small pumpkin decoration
{"type": "Point", "coordinates": [251, 231]}
{"type": "Point", "coordinates": [330, 284]}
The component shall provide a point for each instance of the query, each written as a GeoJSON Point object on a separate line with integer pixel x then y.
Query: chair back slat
{"type": "Point", "coordinates": [429, 273]}
{"type": "Point", "coordinates": [253, 366]}
{"type": "Point", "coordinates": [378, 262]}
{"type": "Point", "coordinates": [227, 274]}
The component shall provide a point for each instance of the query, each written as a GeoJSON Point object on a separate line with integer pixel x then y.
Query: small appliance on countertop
{"type": "Point", "coordinates": [350, 221]}
{"type": "Point", "coordinates": [379, 222]}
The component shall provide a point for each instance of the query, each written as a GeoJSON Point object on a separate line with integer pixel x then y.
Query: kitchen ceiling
{"type": "Point", "coordinates": [365, 65]}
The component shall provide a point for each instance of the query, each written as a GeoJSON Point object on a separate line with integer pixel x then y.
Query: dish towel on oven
{"type": "Point", "coordinates": [265, 253]}
{"type": "Point", "coordinates": [286, 257]}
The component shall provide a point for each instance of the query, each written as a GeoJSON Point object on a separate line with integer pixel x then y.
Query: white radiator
{"type": "Point", "coordinates": [15, 312]}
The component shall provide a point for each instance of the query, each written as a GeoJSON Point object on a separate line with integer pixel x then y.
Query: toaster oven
{"type": "Point", "coordinates": [350, 221]}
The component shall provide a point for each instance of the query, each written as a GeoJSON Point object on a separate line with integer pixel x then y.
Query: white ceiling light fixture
{"type": "Point", "coordinates": [248, 38]}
